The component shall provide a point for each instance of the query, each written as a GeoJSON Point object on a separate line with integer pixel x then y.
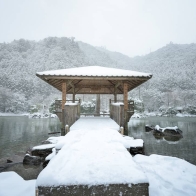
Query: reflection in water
{"type": "Point", "coordinates": [167, 138]}
{"type": "Point", "coordinates": [27, 173]}
{"type": "Point", "coordinates": [17, 134]}
{"type": "Point", "coordinates": [183, 148]}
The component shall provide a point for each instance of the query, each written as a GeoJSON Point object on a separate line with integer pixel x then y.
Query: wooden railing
{"type": "Point", "coordinates": [117, 112]}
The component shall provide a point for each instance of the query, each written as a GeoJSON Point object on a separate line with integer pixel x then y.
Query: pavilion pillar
{"type": "Point", "coordinates": [64, 89]}
{"type": "Point", "coordinates": [125, 93]}
{"type": "Point", "coordinates": [74, 95]}
{"type": "Point", "coordinates": [98, 104]}
{"type": "Point", "coordinates": [115, 95]}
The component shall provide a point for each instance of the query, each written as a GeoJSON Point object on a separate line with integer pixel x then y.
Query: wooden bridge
{"type": "Point", "coordinates": [94, 80]}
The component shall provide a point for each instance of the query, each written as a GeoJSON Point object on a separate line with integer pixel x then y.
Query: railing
{"type": "Point", "coordinates": [58, 104]}
{"type": "Point", "coordinates": [58, 108]}
{"type": "Point", "coordinates": [117, 112]}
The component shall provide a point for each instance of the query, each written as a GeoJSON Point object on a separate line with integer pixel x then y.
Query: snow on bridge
{"type": "Point", "coordinates": [93, 153]}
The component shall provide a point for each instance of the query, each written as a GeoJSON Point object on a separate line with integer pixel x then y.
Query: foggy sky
{"type": "Point", "coordinates": [132, 27]}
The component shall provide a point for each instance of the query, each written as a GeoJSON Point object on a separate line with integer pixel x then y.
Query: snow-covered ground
{"type": "Point", "coordinates": [11, 184]}
{"type": "Point", "coordinates": [13, 114]}
{"type": "Point", "coordinates": [167, 176]}
{"type": "Point", "coordinates": [151, 114]}
{"type": "Point", "coordinates": [34, 115]}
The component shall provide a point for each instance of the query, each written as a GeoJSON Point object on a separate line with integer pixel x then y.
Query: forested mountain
{"type": "Point", "coordinates": [173, 68]}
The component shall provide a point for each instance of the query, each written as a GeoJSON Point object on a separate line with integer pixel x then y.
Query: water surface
{"type": "Point", "coordinates": [18, 134]}
{"type": "Point", "coordinates": [184, 148]}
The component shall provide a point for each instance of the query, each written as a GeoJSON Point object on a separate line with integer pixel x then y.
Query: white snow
{"type": "Point", "coordinates": [53, 116]}
{"type": "Point", "coordinates": [11, 184]}
{"type": "Point", "coordinates": [95, 71]}
{"type": "Point", "coordinates": [118, 103]}
{"type": "Point", "coordinates": [54, 140]}
{"type": "Point", "coordinates": [71, 103]}
{"type": "Point", "coordinates": [92, 154]}
{"type": "Point", "coordinates": [52, 155]}
{"type": "Point", "coordinates": [44, 146]}
{"type": "Point", "coordinates": [136, 116]}
{"type": "Point", "coordinates": [158, 128]}
{"type": "Point", "coordinates": [168, 176]}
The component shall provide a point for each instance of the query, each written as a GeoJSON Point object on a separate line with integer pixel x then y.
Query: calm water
{"type": "Point", "coordinates": [185, 148]}
{"type": "Point", "coordinates": [18, 134]}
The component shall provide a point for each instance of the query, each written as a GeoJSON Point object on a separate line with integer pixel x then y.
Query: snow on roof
{"type": "Point", "coordinates": [94, 71]}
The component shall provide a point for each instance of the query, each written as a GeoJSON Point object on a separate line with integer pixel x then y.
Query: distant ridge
{"type": "Point", "coordinates": [173, 67]}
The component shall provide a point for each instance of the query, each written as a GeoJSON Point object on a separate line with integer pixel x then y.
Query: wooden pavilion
{"type": "Point", "coordinates": [95, 80]}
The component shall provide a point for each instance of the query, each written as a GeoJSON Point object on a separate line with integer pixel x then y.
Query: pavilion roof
{"type": "Point", "coordinates": [94, 79]}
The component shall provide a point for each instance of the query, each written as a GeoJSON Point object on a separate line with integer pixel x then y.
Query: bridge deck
{"type": "Point", "coordinates": [95, 123]}
{"type": "Point", "coordinates": [93, 154]}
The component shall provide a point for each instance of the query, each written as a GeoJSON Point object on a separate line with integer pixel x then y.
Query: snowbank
{"type": "Point", "coordinates": [11, 184]}
{"type": "Point", "coordinates": [168, 176]}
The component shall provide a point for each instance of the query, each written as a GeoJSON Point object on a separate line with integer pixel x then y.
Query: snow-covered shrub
{"type": "Point", "coordinates": [87, 107]}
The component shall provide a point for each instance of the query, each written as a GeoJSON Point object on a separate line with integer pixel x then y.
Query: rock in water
{"type": "Point", "coordinates": [149, 128]}
{"type": "Point", "coordinates": [31, 160]}
{"type": "Point", "coordinates": [9, 161]}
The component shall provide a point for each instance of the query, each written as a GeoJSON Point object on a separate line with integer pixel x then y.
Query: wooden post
{"type": "Point", "coordinates": [64, 89]}
{"type": "Point", "coordinates": [110, 102]}
{"type": "Point", "coordinates": [98, 100]}
{"type": "Point", "coordinates": [115, 95]}
{"type": "Point", "coordinates": [74, 95]}
{"type": "Point", "coordinates": [122, 130]}
{"type": "Point", "coordinates": [125, 92]}
{"type": "Point", "coordinates": [115, 98]}
{"type": "Point", "coordinates": [66, 128]}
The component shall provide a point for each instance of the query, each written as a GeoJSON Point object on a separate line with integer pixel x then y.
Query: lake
{"type": "Point", "coordinates": [18, 134]}
{"type": "Point", "coordinates": [184, 148]}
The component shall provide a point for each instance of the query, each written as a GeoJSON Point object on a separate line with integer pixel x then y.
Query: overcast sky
{"type": "Point", "coordinates": [132, 27]}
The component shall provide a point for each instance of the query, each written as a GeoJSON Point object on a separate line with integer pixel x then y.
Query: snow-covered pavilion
{"type": "Point", "coordinates": [95, 80]}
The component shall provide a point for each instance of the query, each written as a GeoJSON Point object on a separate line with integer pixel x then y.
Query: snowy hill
{"type": "Point", "coordinates": [173, 68]}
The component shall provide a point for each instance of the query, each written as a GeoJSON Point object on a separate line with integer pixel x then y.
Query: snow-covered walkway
{"type": "Point", "coordinates": [92, 153]}
{"type": "Point", "coordinates": [94, 123]}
